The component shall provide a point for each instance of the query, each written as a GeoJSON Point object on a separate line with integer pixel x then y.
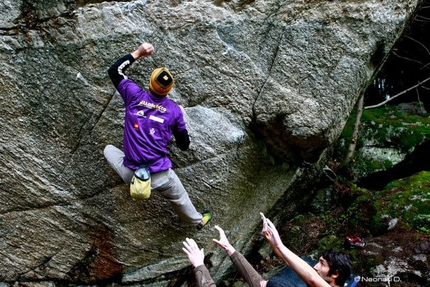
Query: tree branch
{"type": "Point", "coordinates": [397, 95]}
{"type": "Point", "coordinates": [408, 59]}
{"type": "Point", "coordinates": [418, 42]}
{"type": "Point", "coordinates": [425, 66]}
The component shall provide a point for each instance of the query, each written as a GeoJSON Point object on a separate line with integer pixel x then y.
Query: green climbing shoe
{"type": "Point", "coordinates": [207, 216]}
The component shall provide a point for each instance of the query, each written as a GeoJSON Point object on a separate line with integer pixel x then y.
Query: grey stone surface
{"type": "Point", "coordinates": [267, 85]}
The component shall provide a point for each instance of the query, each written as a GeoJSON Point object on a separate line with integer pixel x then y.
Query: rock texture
{"type": "Point", "coordinates": [267, 86]}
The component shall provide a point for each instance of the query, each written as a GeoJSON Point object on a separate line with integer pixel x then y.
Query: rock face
{"type": "Point", "coordinates": [266, 85]}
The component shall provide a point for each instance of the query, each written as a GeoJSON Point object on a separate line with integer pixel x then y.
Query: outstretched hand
{"type": "Point", "coordinates": [195, 255]}
{"type": "Point", "coordinates": [144, 50]}
{"type": "Point", "coordinates": [223, 241]}
{"type": "Point", "coordinates": [270, 232]}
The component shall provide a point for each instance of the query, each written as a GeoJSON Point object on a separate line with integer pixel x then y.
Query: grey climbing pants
{"type": "Point", "coordinates": [165, 182]}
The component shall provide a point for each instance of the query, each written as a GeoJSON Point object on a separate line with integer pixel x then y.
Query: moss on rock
{"type": "Point", "coordinates": [405, 202]}
{"type": "Point", "coordinates": [386, 136]}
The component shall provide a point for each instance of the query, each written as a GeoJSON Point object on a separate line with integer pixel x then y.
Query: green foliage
{"type": "Point", "coordinates": [424, 229]}
{"type": "Point", "coordinates": [424, 222]}
{"type": "Point", "coordinates": [330, 241]}
{"type": "Point", "coordinates": [388, 163]}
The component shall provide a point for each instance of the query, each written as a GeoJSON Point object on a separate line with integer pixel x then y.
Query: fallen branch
{"type": "Point", "coordinates": [397, 95]}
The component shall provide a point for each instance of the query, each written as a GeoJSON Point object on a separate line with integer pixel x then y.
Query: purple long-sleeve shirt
{"type": "Point", "coordinates": [150, 121]}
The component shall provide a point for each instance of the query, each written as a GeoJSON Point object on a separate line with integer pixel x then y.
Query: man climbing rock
{"type": "Point", "coordinates": [150, 120]}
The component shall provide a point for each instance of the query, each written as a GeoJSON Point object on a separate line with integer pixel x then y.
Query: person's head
{"type": "Point", "coordinates": [161, 82]}
{"type": "Point", "coordinates": [334, 266]}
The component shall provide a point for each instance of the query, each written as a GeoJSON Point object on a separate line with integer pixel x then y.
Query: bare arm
{"type": "Point", "coordinates": [301, 267]}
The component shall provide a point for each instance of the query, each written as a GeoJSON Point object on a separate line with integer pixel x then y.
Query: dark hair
{"type": "Point", "coordinates": [339, 263]}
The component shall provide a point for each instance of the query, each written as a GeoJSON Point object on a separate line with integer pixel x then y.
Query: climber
{"type": "Point", "coordinates": [332, 269]}
{"type": "Point", "coordinates": [150, 120]}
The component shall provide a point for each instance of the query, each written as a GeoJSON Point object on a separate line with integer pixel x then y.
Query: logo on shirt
{"type": "Point", "coordinates": [152, 131]}
{"type": "Point", "coordinates": [140, 114]}
{"type": "Point", "coordinates": [152, 106]}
